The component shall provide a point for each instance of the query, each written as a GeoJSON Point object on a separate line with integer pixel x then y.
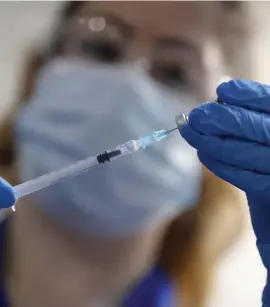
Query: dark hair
{"type": "Point", "coordinates": [70, 8]}
{"type": "Point", "coordinates": [231, 6]}
{"type": "Point", "coordinates": [67, 11]}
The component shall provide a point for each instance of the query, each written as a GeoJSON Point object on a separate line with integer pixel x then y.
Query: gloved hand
{"type": "Point", "coordinates": [7, 194]}
{"type": "Point", "coordinates": [233, 141]}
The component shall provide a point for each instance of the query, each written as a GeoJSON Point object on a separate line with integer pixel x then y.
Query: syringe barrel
{"type": "Point", "coordinates": [47, 180]}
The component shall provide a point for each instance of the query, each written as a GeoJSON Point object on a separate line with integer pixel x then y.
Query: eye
{"type": "Point", "coordinates": [103, 50]}
{"type": "Point", "coordinates": [171, 74]}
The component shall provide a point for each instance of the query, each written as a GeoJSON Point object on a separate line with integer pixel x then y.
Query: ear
{"type": "Point", "coordinates": [33, 63]}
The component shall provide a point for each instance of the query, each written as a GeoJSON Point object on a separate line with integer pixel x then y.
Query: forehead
{"type": "Point", "coordinates": [194, 20]}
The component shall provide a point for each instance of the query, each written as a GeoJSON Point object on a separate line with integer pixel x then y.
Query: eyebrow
{"type": "Point", "coordinates": [180, 43]}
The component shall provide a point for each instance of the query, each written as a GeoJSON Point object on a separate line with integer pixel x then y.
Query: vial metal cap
{"type": "Point", "coordinates": [181, 119]}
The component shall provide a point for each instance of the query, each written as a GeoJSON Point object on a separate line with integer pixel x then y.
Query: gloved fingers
{"type": "Point", "coordinates": [230, 121]}
{"type": "Point", "coordinates": [242, 179]}
{"type": "Point", "coordinates": [235, 152]}
{"type": "Point", "coordinates": [7, 194]}
{"type": "Point", "coordinates": [246, 94]}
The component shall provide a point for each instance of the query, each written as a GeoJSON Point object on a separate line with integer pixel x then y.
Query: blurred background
{"type": "Point", "coordinates": [239, 278]}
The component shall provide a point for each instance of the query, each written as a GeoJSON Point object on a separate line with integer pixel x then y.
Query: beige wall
{"type": "Point", "coordinates": [21, 24]}
{"type": "Point", "coordinates": [259, 12]}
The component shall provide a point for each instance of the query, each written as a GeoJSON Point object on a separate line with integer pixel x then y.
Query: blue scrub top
{"type": "Point", "coordinates": [155, 290]}
{"type": "Point", "coordinates": [3, 298]}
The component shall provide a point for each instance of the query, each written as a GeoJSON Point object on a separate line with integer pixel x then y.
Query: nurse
{"type": "Point", "coordinates": [147, 228]}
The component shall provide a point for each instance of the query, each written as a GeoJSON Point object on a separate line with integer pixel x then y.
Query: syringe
{"type": "Point", "coordinates": [82, 166]}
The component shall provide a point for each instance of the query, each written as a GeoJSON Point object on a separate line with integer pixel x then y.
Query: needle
{"type": "Point", "coordinates": [169, 131]}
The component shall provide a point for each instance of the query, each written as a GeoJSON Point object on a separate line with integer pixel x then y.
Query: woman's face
{"type": "Point", "coordinates": [175, 40]}
{"type": "Point", "coordinates": [172, 39]}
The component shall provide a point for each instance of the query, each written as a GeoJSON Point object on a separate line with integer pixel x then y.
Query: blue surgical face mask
{"type": "Point", "coordinates": [77, 111]}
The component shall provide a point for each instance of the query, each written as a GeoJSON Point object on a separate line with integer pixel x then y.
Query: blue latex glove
{"type": "Point", "coordinates": [7, 194]}
{"type": "Point", "coordinates": [233, 141]}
